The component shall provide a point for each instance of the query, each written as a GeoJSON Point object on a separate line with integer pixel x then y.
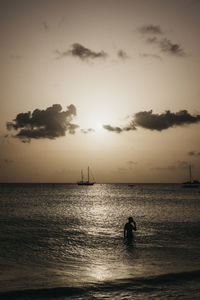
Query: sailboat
{"type": "Point", "coordinates": [191, 183]}
{"type": "Point", "coordinates": [85, 182]}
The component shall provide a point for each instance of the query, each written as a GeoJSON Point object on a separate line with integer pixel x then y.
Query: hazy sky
{"type": "Point", "coordinates": [113, 84]}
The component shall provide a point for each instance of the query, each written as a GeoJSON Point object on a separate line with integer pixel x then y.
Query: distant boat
{"type": "Point", "coordinates": [85, 182]}
{"type": "Point", "coordinates": [191, 183]}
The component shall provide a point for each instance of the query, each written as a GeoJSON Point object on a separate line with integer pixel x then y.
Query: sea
{"type": "Point", "coordinates": [64, 241]}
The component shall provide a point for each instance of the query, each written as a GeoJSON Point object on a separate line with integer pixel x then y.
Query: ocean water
{"type": "Point", "coordinates": [63, 241]}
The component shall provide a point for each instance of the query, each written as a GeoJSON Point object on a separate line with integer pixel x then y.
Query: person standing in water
{"type": "Point", "coordinates": [128, 229]}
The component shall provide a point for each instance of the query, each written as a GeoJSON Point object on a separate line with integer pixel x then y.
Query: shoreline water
{"type": "Point", "coordinates": [165, 282]}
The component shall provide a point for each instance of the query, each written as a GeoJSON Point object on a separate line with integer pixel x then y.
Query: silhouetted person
{"type": "Point", "coordinates": [128, 229]}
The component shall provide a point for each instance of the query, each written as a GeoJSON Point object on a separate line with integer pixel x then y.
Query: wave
{"type": "Point", "coordinates": [131, 284]}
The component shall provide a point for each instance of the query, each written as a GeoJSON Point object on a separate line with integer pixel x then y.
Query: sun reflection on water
{"type": "Point", "coordinates": [100, 272]}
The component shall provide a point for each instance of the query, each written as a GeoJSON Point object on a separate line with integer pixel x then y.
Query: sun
{"type": "Point", "coordinates": [94, 122]}
{"type": "Point", "coordinates": [99, 126]}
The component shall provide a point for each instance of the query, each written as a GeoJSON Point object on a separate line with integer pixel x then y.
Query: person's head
{"type": "Point", "coordinates": [130, 219]}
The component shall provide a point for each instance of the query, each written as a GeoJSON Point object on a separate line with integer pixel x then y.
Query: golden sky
{"type": "Point", "coordinates": [113, 84]}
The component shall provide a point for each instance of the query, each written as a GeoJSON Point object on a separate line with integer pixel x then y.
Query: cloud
{"type": "Point", "coordinates": [165, 45]}
{"type": "Point", "coordinates": [118, 129]}
{"type": "Point", "coordinates": [193, 153]}
{"type": "Point", "coordinates": [147, 119]}
{"type": "Point", "coordinates": [171, 48]}
{"type": "Point", "coordinates": [40, 124]}
{"type": "Point", "coordinates": [114, 129]}
{"type": "Point", "coordinates": [150, 29]}
{"type": "Point", "coordinates": [77, 50]}
{"type": "Point", "coordinates": [159, 122]}
{"type": "Point", "coordinates": [85, 131]}
{"type": "Point", "coordinates": [122, 54]}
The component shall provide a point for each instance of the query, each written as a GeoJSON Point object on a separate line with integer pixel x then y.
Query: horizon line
{"type": "Point", "coordinates": [75, 183]}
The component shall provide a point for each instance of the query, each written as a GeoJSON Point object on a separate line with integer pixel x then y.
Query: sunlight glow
{"type": "Point", "coordinates": [99, 126]}
{"type": "Point", "coordinates": [100, 271]}
{"type": "Point", "coordinates": [95, 121]}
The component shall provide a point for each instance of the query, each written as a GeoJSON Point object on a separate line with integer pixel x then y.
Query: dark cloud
{"type": "Point", "coordinates": [191, 153]}
{"type": "Point", "coordinates": [147, 119]}
{"type": "Point", "coordinates": [150, 29]}
{"type": "Point", "coordinates": [171, 48]}
{"type": "Point", "coordinates": [114, 129]}
{"type": "Point", "coordinates": [84, 53]}
{"type": "Point", "coordinates": [77, 50]}
{"type": "Point", "coordinates": [165, 45]}
{"type": "Point", "coordinates": [119, 129]}
{"type": "Point", "coordinates": [122, 54]}
{"type": "Point", "coordinates": [50, 123]}
{"type": "Point", "coordinates": [159, 122]}
{"type": "Point", "coordinates": [85, 131]}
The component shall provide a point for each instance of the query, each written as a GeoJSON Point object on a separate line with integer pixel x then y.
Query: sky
{"type": "Point", "coordinates": [110, 84]}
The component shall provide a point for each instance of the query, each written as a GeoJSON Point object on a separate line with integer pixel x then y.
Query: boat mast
{"type": "Point", "coordinates": [82, 175]}
{"type": "Point", "coordinates": [88, 174]}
